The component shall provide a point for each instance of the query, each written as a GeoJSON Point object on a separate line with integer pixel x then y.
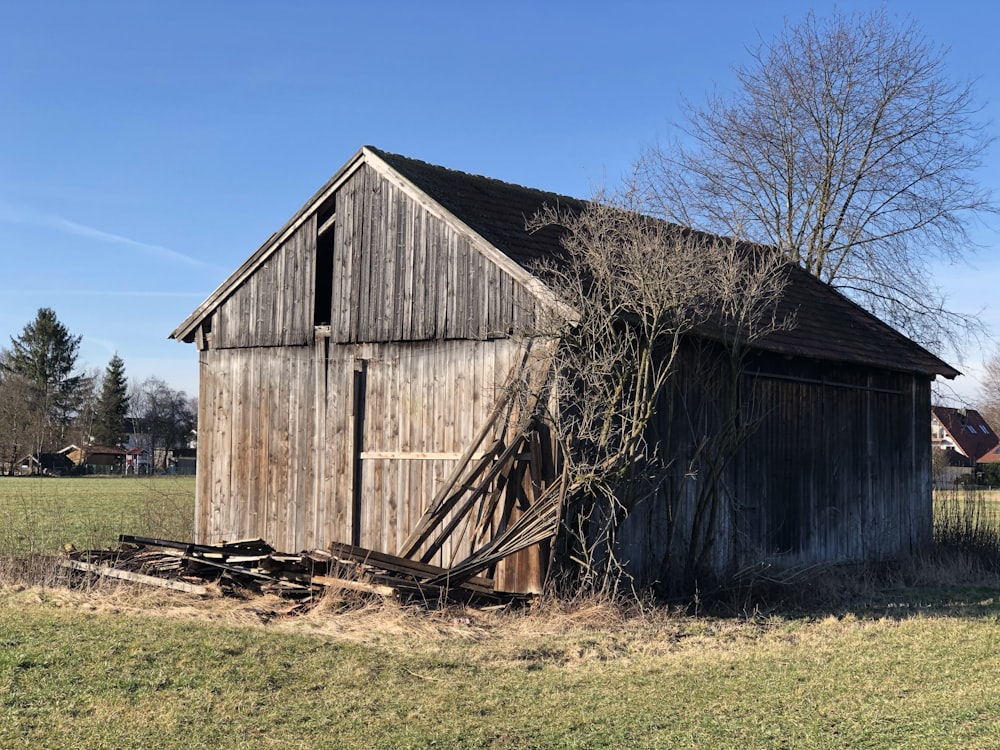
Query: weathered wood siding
{"type": "Point", "coordinates": [280, 458]}
{"type": "Point", "coordinates": [402, 274]}
{"type": "Point", "coordinates": [256, 456]}
{"type": "Point", "coordinates": [837, 469]}
{"type": "Point", "coordinates": [274, 306]}
{"type": "Point", "coordinates": [422, 405]}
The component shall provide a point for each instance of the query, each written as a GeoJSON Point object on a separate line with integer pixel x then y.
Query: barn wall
{"type": "Point", "coordinates": [279, 458]}
{"type": "Point", "coordinates": [422, 406]}
{"type": "Point", "coordinates": [837, 469]}
{"type": "Point", "coordinates": [274, 306]}
{"type": "Point", "coordinates": [402, 274]}
{"type": "Point", "coordinates": [257, 452]}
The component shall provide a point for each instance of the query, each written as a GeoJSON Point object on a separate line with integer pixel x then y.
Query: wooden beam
{"type": "Point", "coordinates": [126, 575]}
{"type": "Point", "coordinates": [345, 583]}
{"type": "Point", "coordinates": [498, 468]}
{"type": "Point", "coordinates": [327, 225]}
{"type": "Point", "coordinates": [415, 456]}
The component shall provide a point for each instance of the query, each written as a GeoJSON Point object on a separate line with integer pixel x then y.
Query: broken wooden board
{"type": "Point", "coordinates": [126, 575]}
{"type": "Point", "coordinates": [403, 565]}
{"type": "Point", "coordinates": [344, 583]}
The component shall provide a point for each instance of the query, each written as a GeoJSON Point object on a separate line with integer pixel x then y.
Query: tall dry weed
{"type": "Point", "coordinates": [967, 530]}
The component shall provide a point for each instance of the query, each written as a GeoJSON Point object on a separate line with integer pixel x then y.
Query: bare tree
{"type": "Point", "coordinates": [989, 391]}
{"type": "Point", "coordinates": [643, 292]}
{"type": "Point", "coordinates": [21, 426]}
{"type": "Point", "coordinates": [846, 146]}
{"type": "Point", "coordinates": [162, 418]}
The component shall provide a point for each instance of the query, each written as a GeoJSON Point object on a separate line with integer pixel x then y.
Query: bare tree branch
{"type": "Point", "coordinates": [644, 292]}
{"type": "Point", "coordinates": [847, 147]}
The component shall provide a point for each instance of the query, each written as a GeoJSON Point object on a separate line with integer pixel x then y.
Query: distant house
{"type": "Point", "coordinates": [967, 441]}
{"type": "Point", "coordinates": [988, 463]}
{"type": "Point", "coordinates": [54, 464]}
{"type": "Point", "coordinates": [351, 365]}
{"type": "Point", "coordinates": [137, 461]}
{"type": "Point", "coordinates": [96, 459]}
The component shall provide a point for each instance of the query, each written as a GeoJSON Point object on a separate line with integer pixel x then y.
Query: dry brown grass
{"type": "Point", "coordinates": [565, 633]}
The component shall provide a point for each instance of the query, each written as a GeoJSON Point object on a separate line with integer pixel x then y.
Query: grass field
{"type": "Point", "coordinates": [41, 514]}
{"type": "Point", "coordinates": [388, 678]}
{"type": "Point", "coordinates": [909, 663]}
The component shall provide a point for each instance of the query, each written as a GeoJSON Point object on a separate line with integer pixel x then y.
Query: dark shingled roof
{"type": "Point", "coordinates": [828, 326]}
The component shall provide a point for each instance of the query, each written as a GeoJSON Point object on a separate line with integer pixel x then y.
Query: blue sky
{"type": "Point", "coordinates": [147, 148]}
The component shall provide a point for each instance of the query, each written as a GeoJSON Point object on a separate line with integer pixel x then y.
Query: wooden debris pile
{"type": "Point", "coordinates": [255, 566]}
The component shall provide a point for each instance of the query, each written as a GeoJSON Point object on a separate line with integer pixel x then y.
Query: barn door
{"type": "Point", "coordinates": [410, 425]}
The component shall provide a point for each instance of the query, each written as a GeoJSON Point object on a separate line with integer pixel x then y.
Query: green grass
{"type": "Point", "coordinates": [900, 666]}
{"type": "Point", "coordinates": [71, 679]}
{"type": "Point", "coordinates": [38, 515]}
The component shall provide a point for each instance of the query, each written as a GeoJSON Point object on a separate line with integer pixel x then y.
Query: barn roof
{"type": "Point", "coordinates": [828, 326]}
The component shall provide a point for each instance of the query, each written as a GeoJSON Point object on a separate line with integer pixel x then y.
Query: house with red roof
{"type": "Point", "coordinates": [967, 440]}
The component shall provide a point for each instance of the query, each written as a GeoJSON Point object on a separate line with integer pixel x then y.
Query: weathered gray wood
{"type": "Point", "coordinates": [346, 583]}
{"type": "Point", "coordinates": [410, 276]}
{"type": "Point", "coordinates": [126, 575]}
{"type": "Point", "coordinates": [437, 505]}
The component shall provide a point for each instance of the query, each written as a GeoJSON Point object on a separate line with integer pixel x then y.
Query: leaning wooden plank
{"type": "Point", "coordinates": [107, 572]}
{"type": "Point", "coordinates": [539, 523]}
{"type": "Point", "coordinates": [523, 371]}
{"type": "Point", "coordinates": [434, 511]}
{"type": "Point", "coordinates": [345, 583]}
{"type": "Point", "coordinates": [478, 491]}
{"type": "Point", "coordinates": [444, 502]}
{"type": "Point", "coordinates": [401, 565]}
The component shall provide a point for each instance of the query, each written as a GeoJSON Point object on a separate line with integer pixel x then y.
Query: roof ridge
{"type": "Point", "coordinates": [460, 173]}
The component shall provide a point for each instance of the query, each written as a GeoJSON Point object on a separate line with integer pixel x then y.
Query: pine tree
{"type": "Point", "coordinates": [112, 406]}
{"type": "Point", "coordinates": [44, 355]}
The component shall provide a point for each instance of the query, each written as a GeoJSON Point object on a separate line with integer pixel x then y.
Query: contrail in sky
{"type": "Point", "coordinates": [11, 214]}
{"type": "Point", "coordinates": [105, 293]}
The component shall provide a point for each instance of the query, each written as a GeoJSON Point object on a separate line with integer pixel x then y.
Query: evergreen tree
{"type": "Point", "coordinates": [44, 355]}
{"type": "Point", "coordinates": [112, 406]}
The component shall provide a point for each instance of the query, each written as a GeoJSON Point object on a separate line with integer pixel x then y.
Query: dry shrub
{"type": "Point", "coordinates": [966, 533]}
{"type": "Point", "coordinates": [165, 515]}
{"type": "Point", "coordinates": [31, 570]}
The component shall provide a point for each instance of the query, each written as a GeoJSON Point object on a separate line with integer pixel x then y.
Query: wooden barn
{"type": "Point", "coordinates": [352, 371]}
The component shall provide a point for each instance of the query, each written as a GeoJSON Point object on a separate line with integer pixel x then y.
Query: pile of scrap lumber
{"type": "Point", "coordinates": [254, 565]}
